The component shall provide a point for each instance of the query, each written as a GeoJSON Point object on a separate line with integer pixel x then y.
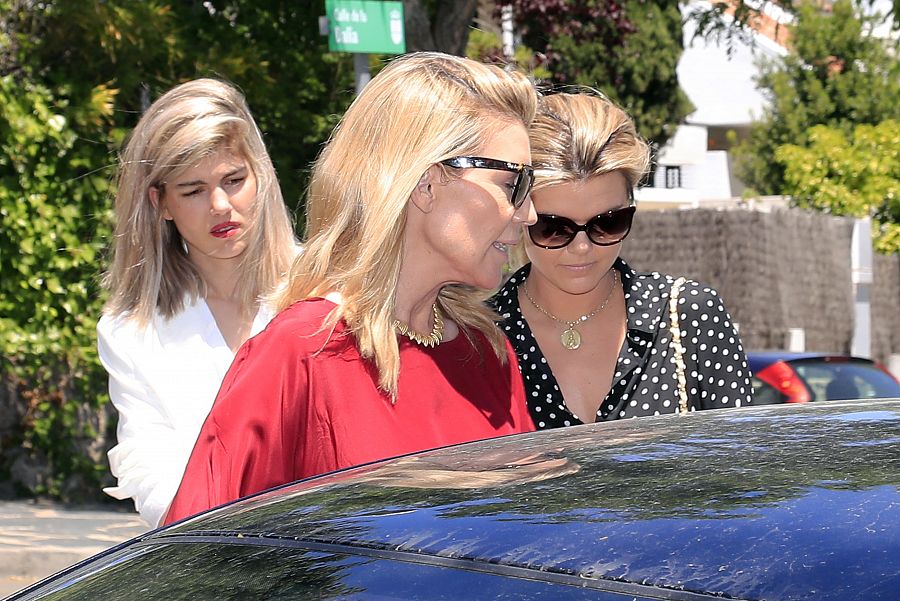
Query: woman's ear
{"type": "Point", "coordinates": [154, 200]}
{"type": "Point", "coordinates": [422, 196]}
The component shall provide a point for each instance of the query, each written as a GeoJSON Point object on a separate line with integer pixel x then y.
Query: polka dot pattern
{"type": "Point", "coordinates": [645, 378]}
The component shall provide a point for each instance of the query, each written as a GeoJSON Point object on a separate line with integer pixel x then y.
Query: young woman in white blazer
{"type": "Point", "coordinates": [201, 235]}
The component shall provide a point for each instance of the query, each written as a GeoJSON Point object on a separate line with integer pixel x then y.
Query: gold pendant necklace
{"type": "Point", "coordinates": [427, 340]}
{"type": "Point", "coordinates": [571, 338]}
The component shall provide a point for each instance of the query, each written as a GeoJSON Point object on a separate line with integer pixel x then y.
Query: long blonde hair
{"type": "Point", "coordinates": [150, 271]}
{"type": "Point", "coordinates": [575, 137]}
{"type": "Point", "coordinates": [419, 110]}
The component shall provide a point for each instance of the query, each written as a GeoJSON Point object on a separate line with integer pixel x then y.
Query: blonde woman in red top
{"type": "Point", "coordinates": [384, 346]}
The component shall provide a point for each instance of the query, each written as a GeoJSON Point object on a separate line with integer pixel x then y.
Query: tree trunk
{"type": "Point", "coordinates": [448, 32]}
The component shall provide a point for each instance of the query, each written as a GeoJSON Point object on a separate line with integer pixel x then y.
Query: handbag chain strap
{"type": "Point", "coordinates": [677, 347]}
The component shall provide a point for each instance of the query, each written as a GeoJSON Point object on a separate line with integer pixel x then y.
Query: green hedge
{"type": "Point", "coordinates": [55, 218]}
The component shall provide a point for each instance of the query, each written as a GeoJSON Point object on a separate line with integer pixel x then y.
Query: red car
{"type": "Point", "coordinates": [783, 377]}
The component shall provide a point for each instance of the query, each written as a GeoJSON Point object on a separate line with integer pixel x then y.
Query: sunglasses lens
{"type": "Point", "coordinates": [524, 181]}
{"type": "Point", "coordinates": [612, 227]}
{"type": "Point", "coordinates": [552, 232]}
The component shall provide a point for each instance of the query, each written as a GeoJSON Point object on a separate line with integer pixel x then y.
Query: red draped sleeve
{"type": "Point", "coordinates": [247, 443]}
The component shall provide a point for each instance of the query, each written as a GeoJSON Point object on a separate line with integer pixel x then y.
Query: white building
{"type": "Point", "coordinates": [694, 168]}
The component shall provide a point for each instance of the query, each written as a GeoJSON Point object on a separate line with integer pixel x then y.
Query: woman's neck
{"type": "Point", "coordinates": [564, 305]}
{"type": "Point", "coordinates": [233, 318]}
{"type": "Point", "coordinates": [417, 292]}
{"type": "Point", "coordinates": [414, 305]}
{"type": "Point", "coordinates": [220, 276]}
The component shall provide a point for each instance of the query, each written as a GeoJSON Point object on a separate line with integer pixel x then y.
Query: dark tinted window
{"type": "Point", "coordinates": [206, 571]}
{"type": "Point", "coordinates": [766, 394]}
{"type": "Point", "coordinates": [841, 380]}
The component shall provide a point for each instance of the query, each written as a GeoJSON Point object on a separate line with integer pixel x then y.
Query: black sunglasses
{"type": "Point", "coordinates": [524, 174]}
{"type": "Point", "coordinates": [606, 229]}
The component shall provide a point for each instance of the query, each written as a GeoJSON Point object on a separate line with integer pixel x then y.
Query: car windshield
{"type": "Point", "coordinates": [841, 380]}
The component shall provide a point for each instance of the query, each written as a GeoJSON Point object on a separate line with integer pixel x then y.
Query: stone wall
{"type": "Point", "coordinates": [886, 306]}
{"type": "Point", "coordinates": [786, 269]}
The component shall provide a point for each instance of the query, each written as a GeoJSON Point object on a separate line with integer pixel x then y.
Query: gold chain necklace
{"type": "Point", "coordinates": [429, 340]}
{"type": "Point", "coordinates": [571, 338]}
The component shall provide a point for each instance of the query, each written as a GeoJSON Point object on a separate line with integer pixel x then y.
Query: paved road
{"type": "Point", "coordinates": [38, 539]}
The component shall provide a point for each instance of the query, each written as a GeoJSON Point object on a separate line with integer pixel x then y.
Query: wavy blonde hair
{"type": "Point", "coordinates": [578, 136]}
{"type": "Point", "coordinates": [150, 271]}
{"type": "Point", "coordinates": [419, 110]}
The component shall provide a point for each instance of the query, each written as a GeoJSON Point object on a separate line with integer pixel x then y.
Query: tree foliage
{"type": "Point", "coordinates": [627, 49]}
{"type": "Point", "coordinates": [54, 223]}
{"type": "Point", "coordinates": [271, 49]}
{"type": "Point", "coordinates": [857, 175]}
{"type": "Point", "coordinates": [836, 75]}
{"type": "Point", "coordinates": [487, 47]}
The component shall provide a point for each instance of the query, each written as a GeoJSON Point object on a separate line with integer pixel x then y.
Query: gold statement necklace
{"type": "Point", "coordinates": [428, 340]}
{"type": "Point", "coordinates": [571, 338]}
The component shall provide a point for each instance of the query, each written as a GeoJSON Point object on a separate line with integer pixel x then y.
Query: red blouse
{"type": "Point", "coordinates": [299, 402]}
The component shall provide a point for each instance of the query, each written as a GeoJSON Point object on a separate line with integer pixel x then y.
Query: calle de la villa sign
{"type": "Point", "coordinates": [365, 26]}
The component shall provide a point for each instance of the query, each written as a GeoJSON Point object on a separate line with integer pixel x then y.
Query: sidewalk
{"type": "Point", "coordinates": [39, 539]}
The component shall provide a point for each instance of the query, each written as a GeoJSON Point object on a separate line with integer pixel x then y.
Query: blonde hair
{"type": "Point", "coordinates": [419, 110]}
{"type": "Point", "coordinates": [150, 270]}
{"type": "Point", "coordinates": [575, 137]}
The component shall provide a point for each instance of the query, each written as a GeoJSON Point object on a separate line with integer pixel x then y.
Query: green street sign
{"type": "Point", "coordinates": [365, 26]}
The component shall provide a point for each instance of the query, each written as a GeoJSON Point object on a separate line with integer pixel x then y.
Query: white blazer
{"type": "Point", "coordinates": [163, 381]}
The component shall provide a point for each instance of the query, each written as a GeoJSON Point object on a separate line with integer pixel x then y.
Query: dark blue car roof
{"type": "Point", "coordinates": [759, 360]}
{"type": "Point", "coordinates": [779, 502]}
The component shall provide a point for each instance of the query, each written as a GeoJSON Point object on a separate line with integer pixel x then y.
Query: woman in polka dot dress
{"type": "Point", "coordinates": [593, 337]}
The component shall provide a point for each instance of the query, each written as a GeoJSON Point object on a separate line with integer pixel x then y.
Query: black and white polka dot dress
{"type": "Point", "coordinates": [645, 379]}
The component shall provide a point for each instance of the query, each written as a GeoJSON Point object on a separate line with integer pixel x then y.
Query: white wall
{"type": "Point", "coordinates": [711, 179]}
{"type": "Point", "coordinates": [722, 87]}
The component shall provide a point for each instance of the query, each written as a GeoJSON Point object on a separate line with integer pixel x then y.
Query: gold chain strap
{"type": "Point", "coordinates": [677, 347]}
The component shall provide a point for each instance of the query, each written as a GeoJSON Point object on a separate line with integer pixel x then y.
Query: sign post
{"type": "Point", "coordinates": [363, 27]}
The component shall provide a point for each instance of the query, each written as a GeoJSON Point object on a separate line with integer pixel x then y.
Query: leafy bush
{"type": "Point", "coordinates": [53, 205]}
{"type": "Point", "coordinates": [857, 175]}
{"type": "Point", "coordinates": [837, 74]}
